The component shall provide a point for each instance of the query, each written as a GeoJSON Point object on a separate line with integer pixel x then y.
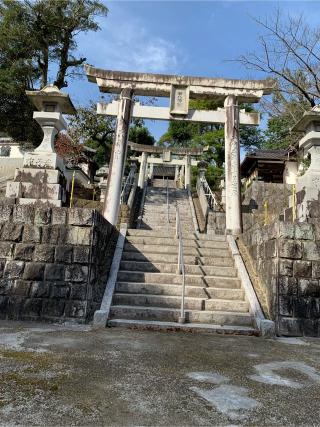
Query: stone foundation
{"type": "Point", "coordinates": [287, 259]}
{"type": "Point", "coordinates": [54, 262]}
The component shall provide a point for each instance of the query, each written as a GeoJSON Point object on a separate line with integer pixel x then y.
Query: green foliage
{"type": "Point", "coordinates": [213, 175]}
{"type": "Point", "coordinates": [93, 130]}
{"type": "Point", "coordinates": [195, 135]}
{"type": "Point", "coordinates": [96, 131]}
{"type": "Point", "coordinates": [35, 38]}
{"type": "Point", "coordinates": [141, 134]}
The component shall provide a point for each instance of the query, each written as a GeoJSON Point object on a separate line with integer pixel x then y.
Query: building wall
{"type": "Point", "coordinates": [54, 263]}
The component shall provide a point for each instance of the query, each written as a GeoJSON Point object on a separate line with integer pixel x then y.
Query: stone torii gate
{"type": "Point", "coordinates": [166, 159]}
{"type": "Point", "coordinates": [179, 89]}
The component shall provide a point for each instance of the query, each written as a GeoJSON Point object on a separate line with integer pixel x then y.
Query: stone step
{"type": "Point", "coordinates": [160, 289]}
{"type": "Point", "coordinates": [172, 315]}
{"type": "Point", "coordinates": [168, 241]}
{"type": "Point", "coordinates": [173, 259]}
{"type": "Point", "coordinates": [172, 301]}
{"type": "Point", "coordinates": [173, 249]}
{"type": "Point", "coordinates": [143, 277]}
{"type": "Point", "coordinates": [139, 232]}
{"type": "Point", "coordinates": [163, 217]}
{"type": "Point", "coordinates": [225, 293]}
{"type": "Point", "coordinates": [154, 267]}
{"type": "Point", "coordinates": [226, 305]}
{"type": "Point", "coordinates": [166, 301]}
{"type": "Point", "coordinates": [168, 227]}
{"type": "Point", "coordinates": [185, 327]}
{"type": "Point", "coordinates": [176, 290]}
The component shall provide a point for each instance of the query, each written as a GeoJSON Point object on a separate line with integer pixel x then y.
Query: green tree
{"type": "Point", "coordinates": [95, 131]}
{"type": "Point", "coordinates": [194, 135]}
{"type": "Point", "coordinates": [140, 134]}
{"type": "Point", "coordinates": [38, 40]}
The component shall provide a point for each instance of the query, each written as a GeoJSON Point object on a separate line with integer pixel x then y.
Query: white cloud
{"type": "Point", "coordinates": [128, 46]}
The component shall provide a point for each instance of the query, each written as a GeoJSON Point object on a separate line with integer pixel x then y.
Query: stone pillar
{"type": "Point", "coordinates": [232, 167]}
{"type": "Point", "coordinates": [151, 170]}
{"type": "Point", "coordinates": [187, 180]}
{"type": "Point", "coordinates": [103, 173]}
{"type": "Point", "coordinates": [118, 157]}
{"type": "Point", "coordinates": [181, 175]}
{"type": "Point", "coordinates": [176, 173]}
{"type": "Point", "coordinates": [143, 168]}
{"type": "Point", "coordinates": [202, 168]}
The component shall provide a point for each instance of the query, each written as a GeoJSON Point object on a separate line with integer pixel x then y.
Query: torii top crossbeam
{"type": "Point", "coordinates": [153, 149]}
{"type": "Point", "coordinates": [161, 84]}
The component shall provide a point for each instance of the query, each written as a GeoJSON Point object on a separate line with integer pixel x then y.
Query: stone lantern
{"type": "Point", "coordinates": [202, 168]}
{"type": "Point", "coordinates": [51, 103]}
{"type": "Point", "coordinates": [103, 174]}
{"type": "Point", "coordinates": [41, 180]}
{"type": "Point", "coordinates": [308, 185]}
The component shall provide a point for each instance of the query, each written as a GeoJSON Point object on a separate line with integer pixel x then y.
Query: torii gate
{"type": "Point", "coordinates": [166, 159]}
{"type": "Point", "coordinates": [179, 89]}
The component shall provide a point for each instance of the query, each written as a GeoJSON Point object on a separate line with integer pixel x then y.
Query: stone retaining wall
{"type": "Point", "coordinates": [254, 197]}
{"type": "Point", "coordinates": [54, 262]}
{"type": "Point", "coordinates": [287, 259]}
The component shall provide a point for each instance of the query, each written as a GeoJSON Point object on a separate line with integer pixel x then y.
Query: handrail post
{"type": "Point", "coordinates": [168, 221]}
{"type": "Point", "coordinates": [181, 270]}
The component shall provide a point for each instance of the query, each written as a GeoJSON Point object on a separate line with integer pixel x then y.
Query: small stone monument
{"type": "Point", "coordinates": [308, 185]}
{"type": "Point", "coordinates": [41, 180]}
{"type": "Point", "coordinates": [202, 168]}
{"type": "Point", "coordinates": [103, 173]}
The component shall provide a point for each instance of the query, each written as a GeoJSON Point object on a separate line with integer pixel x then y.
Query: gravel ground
{"type": "Point", "coordinates": [72, 375]}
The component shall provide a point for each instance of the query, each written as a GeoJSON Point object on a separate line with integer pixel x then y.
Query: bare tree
{"type": "Point", "coordinates": [290, 52]}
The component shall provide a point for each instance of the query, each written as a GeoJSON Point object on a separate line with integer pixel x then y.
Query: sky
{"type": "Point", "coordinates": [199, 38]}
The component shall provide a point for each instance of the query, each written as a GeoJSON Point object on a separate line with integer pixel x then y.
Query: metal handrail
{"type": "Point", "coordinates": [181, 267]}
{"type": "Point", "coordinates": [168, 220]}
{"type": "Point", "coordinates": [127, 186]}
{"type": "Point", "coordinates": [210, 196]}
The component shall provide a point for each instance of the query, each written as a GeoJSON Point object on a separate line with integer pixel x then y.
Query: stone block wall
{"type": "Point", "coordinates": [129, 214]}
{"type": "Point", "coordinates": [254, 197]}
{"type": "Point", "coordinates": [53, 262]}
{"type": "Point", "coordinates": [287, 259]}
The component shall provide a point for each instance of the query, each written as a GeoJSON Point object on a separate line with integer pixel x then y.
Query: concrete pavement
{"type": "Point", "coordinates": [72, 375]}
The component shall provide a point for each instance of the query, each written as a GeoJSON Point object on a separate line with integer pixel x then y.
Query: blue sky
{"type": "Point", "coordinates": [178, 37]}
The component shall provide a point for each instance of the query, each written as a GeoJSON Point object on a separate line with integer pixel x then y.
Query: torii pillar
{"type": "Point", "coordinates": [143, 169]}
{"type": "Point", "coordinates": [232, 167]}
{"type": "Point", "coordinates": [187, 179]}
{"type": "Point", "coordinates": [118, 157]}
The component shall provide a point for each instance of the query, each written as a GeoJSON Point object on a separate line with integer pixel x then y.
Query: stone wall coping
{"type": "Point", "coordinates": [266, 327]}
{"type": "Point", "coordinates": [101, 316]}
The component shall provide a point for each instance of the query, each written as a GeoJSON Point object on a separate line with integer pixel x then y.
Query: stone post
{"type": "Point", "coordinates": [151, 170]}
{"type": "Point", "coordinates": [181, 175]}
{"type": "Point", "coordinates": [103, 173]}
{"type": "Point", "coordinates": [187, 180]}
{"type": "Point", "coordinates": [232, 167]}
{"type": "Point", "coordinates": [118, 157]}
{"type": "Point", "coordinates": [176, 173]}
{"type": "Point", "coordinates": [143, 168]}
{"type": "Point", "coordinates": [202, 168]}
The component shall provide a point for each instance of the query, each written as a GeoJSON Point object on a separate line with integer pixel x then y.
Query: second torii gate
{"type": "Point", "coordinates": [179, 89]}
{"type": "Point", "coordinates": [166, 158]}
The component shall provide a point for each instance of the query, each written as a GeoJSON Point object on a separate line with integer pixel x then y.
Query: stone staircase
{"type": "Point", "coordinates": [155, 215]}
{"type": "Point", "coordinates": [148, 287]}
